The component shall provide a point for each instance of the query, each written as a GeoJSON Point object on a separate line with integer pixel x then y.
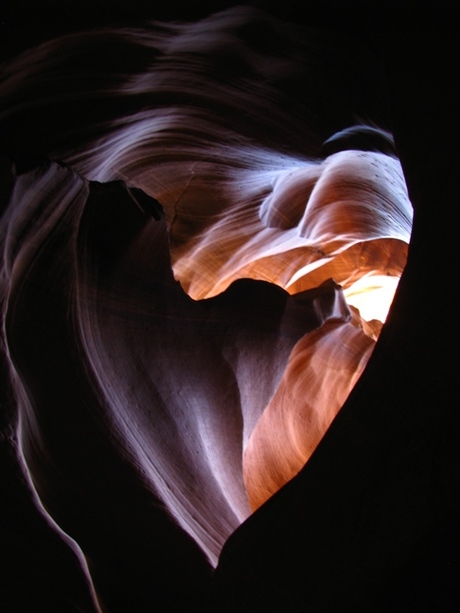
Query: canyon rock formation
{"type": "Point", "coordinates": [204, 219]}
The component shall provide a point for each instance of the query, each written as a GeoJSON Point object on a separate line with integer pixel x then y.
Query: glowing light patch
{"type": "Point", "coordinates": [372, 295]}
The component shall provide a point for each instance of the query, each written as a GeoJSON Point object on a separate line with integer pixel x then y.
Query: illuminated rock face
{"type": "Point", "coordinates": [180, 384]}
{"type": "Point", "coordinates": [176, 335]}
{"type": "Point", "coordinates": [322, 370]}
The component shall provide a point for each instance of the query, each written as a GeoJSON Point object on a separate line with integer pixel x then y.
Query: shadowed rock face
{"type": "Point", "coordinates": [189, 218]}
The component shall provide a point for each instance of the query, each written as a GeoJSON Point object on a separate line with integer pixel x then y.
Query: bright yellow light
{"type": "Point", "coordinates": [372, 295]}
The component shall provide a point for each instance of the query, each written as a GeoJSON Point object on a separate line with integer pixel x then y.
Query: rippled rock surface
{"type": "Point", "coordinates": [195, 217]}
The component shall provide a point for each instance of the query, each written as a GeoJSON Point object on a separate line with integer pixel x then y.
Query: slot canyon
{"type": "Point", "coordinates": [228, 351]}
